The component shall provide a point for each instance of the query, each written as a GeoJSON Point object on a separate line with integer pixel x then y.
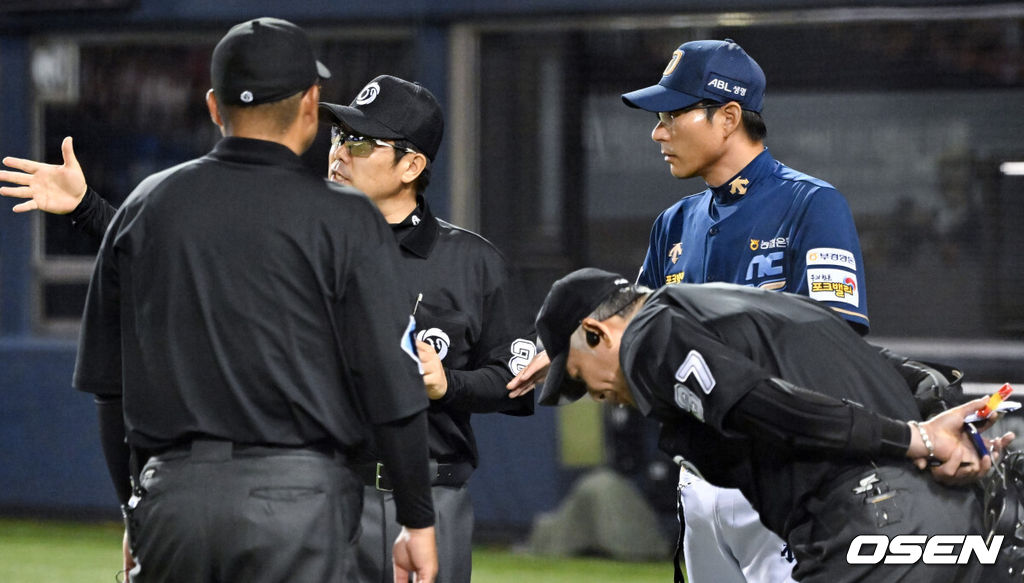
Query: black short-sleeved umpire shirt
{"type": "Point", "coordinates": [240, 296]}
{"type": "Point", "coordinates": [465, 310]}
{"type": "Point", "coordinates": [692, 351]}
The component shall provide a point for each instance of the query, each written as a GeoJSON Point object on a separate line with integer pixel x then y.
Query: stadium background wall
{"type": "Point", "coordinates": [50, 460]}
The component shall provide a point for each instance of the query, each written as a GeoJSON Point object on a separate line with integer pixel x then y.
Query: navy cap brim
{"type": "Point", "coordinates": [359, 122]}
{"type": "Point", "coordinates": [558, 390]}
{"type": "Point", "coordinates": [658, 98]}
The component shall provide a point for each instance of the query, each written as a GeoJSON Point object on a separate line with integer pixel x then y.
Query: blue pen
{"type": "Point", "coordinates": [977, 439]}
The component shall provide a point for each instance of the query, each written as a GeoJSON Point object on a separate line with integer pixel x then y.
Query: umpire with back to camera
{"type": "Point", "coordinates": [470, 337]}
{"type": "Point", "coordinates": [774, 394]}
{"type": "Point", "coordinates": [249, 317]}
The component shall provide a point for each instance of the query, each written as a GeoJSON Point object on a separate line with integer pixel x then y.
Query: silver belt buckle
{"type": "Point", "coordinates": [378, 475]}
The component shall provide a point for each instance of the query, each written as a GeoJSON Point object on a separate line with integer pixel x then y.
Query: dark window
{"type": "Point", "coordinates": [139, 107]}
{"type": "Point", "coordinates": [909, 119]}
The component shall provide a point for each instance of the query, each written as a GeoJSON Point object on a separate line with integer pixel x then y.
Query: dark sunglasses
{"type": "Point", "coordinates": [359, 146]}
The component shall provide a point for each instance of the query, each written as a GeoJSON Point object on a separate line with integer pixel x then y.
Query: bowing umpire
{"type": "Point", "coordinates": [776, 395]}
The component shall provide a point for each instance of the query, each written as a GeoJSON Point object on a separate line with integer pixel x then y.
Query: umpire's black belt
{"type": "Point", "coordinates": [219, 450]}
{"type": "Point", "coordinates": [375, 475]}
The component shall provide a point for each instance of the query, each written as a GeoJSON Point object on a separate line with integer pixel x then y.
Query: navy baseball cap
{"type": "Point", "coordinates": [262, 61]}
{"type": "Point", "coordinates": [704, 69]}
{"type": "Point", "coordinates": [390, 108]}
{"type": "Point", "coordinates": [571, 299]}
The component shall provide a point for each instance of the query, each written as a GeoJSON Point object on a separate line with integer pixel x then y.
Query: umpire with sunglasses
{"type": "Point", "coordinates": [470, 338]}
{"type": "Point", "coordinates": [250, 318]}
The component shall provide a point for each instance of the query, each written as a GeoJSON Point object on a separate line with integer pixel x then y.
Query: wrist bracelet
{"type": "Point", "coordinates": [924, 438]}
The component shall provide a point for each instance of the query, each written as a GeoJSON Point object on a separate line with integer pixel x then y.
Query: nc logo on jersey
{"type": "Point", "coordinates": [523, 352]}
{"type": "Point", "coordinates": [368, 94]}
{"type": "Point", "coordinates": [436, 338]}
{"type": "Point", "coordinates": [764, 265]}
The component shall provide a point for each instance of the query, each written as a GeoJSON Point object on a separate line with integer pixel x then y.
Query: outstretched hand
{"type": "Point", "coordinates": [535, 372]}
{"type": "Point", "coordinates": [48, 187]}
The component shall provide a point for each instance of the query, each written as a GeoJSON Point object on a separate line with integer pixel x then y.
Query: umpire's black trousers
{"type": "Point", "coordinates": [890, 501]}
{"type": "Point", "coordinates": [213, 512]}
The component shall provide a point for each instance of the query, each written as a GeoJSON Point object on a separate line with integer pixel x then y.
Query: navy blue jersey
{"type": "Point", "coordinates": [769, 227]}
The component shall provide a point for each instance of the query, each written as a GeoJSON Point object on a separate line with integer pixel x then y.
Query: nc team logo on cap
{"type": "Point", "coordinates": [716, 70]}
{"type": "Point", "coordinates": [677, 56]}
{"type": "Point", "coordinates": [368, 94]}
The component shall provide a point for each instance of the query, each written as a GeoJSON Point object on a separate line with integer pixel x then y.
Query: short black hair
{"type": "Point", "coordinates": [423, 180]}
{"type": "Point", "coordinates": [275, 116]}
{"type": "Point", "coordinates": [620, 302]}
{"type": "Point", "coordinates": [752, 121]}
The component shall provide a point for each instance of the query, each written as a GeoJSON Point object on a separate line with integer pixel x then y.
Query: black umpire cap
{"type": "Point", "coordinates": [263, 60]}
{"type": "Point", "coordinates": [571, 299]}
{"type": "Point", "coordinates": [390, 108]}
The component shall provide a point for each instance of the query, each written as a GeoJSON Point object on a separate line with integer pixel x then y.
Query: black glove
{"type": "Point", "coordinates": [936, 387]}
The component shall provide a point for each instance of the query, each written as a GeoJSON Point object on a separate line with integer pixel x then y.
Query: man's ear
{"type": "Point", "coordinates": [311, 102]}
{"type": "Point", "coordinates": [211, 105]}
{"type": "Point", "coordinates": [415, 164]}
{"type": "Point", "coordinates": [732, 116]}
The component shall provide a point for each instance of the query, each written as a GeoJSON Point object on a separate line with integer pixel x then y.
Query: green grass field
{"type": "Point", "coordinates": [66, 552]}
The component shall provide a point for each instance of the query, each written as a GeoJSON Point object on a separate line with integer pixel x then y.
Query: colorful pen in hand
{"type": "Point", "coordinates": [976, 439]}
{"type": "Point", "coordinates": [993, 401]}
